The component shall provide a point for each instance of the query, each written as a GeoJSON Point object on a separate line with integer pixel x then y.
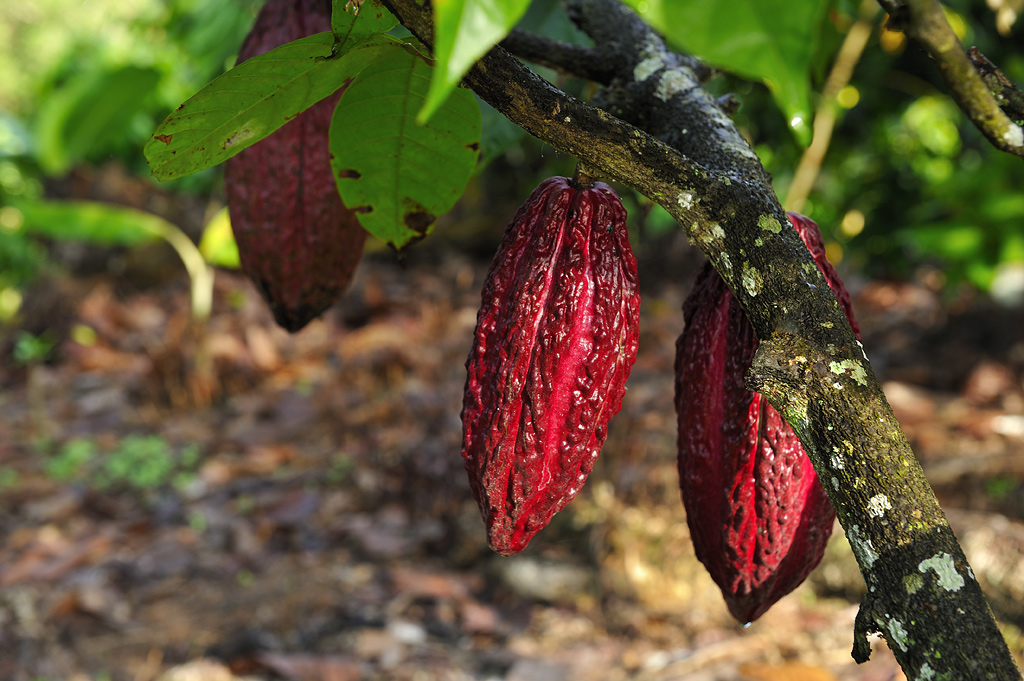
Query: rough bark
{"type": "Point", "coordinates": [665, 136]}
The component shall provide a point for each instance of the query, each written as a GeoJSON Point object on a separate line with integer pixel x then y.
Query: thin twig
{"type": "Point", "coordinates": [825, 117]}
{"type": "Point", "coordinates": [573, 60]}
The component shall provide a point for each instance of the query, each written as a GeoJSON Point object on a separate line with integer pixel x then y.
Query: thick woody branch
{"type": "Point", "coordinates": [925, 22]}
{"type": "Point", "coordinates": [665, 136]}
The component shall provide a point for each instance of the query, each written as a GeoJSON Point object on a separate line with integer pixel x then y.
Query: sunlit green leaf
{"type": "Point", "coordinates": [464, 30]}
{"type": "Point", "coordinates": [397, 174]}
{"type": "Point", "coordinates": [90, 221]}
{"type": "Point", "coordinates": [767, 40]}
{"type": "Point", "coordinates": [251, 101]}
{"type": "Point", "coordinates": [218, 244]}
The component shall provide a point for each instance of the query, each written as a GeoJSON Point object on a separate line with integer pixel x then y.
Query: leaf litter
{"type": "Point", "coordinates": [311, 518]}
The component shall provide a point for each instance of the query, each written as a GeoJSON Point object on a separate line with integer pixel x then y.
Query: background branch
{"type": "Point", "coordinates": [669, 139]}
{"type": "Point", "coordinates": [925, 22]}
{"type": "Point", "coordinates": [1008, 96]}
{"type": "Point", "coordinates": [574, 60]}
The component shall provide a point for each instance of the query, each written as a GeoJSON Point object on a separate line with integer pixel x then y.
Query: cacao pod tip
{"type": "Point", "coordinates": [293, 320]}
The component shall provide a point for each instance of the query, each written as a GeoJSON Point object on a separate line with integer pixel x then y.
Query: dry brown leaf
{"type": "Point", "coordinates": [785, 672]}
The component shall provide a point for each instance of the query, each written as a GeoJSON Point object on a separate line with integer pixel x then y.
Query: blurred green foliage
{"type": "Point", "coordinates": [87, 83]}
{"type": "Point", "coordinates": [92, 80]}
{"type": "Point", "coordinates": [906, 183]}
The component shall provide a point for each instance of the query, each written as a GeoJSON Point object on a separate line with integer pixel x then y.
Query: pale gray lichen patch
{"type": "Point", "coordinates": [769, 223]}
{"type": "Point", "coordinates": [685, 200]}
{"type": "Point", "coordinates": [752, 280]}
{"type": "Point", "coordinates": [942, 563]}
{"type": "Point", "coordinates": [646, 68]}
{"type": "Point", "coordinates": [898, 634]}
{"type": "Point", "coordinates": [855, 369]}
{"type": "Point", "coordinates": [835, 482]}
{"type": "Point", "coordinates": [927, 673]}
{"type": "Point", "coordinates": [674, 82]}
{"type": "Point", "coordinates": [726, 263]}
{"type": "Point", "coordinates": [878, 505]}
{"type": "Point", "coordinates": [862, 548]}
{"type": "Point", "coordinates": [1014, 136]}
{"type": "Point", "coordinates": [717, 231]}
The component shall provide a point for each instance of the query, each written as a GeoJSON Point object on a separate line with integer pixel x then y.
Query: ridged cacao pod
{"type": "Point", "coordinates": [296, 240]}
{"type": "Point", "coordinates": [758, 516]}
{"type": "Point", "coordinates": [555, 339]}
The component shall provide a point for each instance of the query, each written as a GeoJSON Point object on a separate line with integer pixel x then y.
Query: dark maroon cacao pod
{"type": "Point", "coordinates": [758, 516]}
{"type": "Point", "coordinates": [296, 240]}
{"type": "Point", "coordinates": [555, 339]}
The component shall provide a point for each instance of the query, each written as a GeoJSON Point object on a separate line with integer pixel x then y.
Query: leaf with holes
{"type": "Point", "coordinates": [396, 174]}
{"type": "Point", "coordinates": [251, 101]}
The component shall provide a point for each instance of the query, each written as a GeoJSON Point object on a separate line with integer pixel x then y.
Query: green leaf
{"type": "Point", "coordinates": [97, 223]}
{"type": "Point", "coordinates": [497, 136]}
{"type": "Point", "coordinates": [351, 28]}
{"type": "Point", "coordinates": [218, 244]}
{"type": "Point", "coordinates": [251, 101]}
{"type": "Point", "coordinates": [767, 40]}
{"type": "Point", "coordinates": [90, 112]}
{"type": "Point", "coordinates": [397, 174]}
{"type": "Point", "coordinates": [464, 30]}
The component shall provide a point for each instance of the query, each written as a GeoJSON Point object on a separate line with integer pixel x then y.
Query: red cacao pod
{"type": "Point", "coordinates": [758, 516]}
{"type": "Point", "coordinates": [555, 339]}
{"type": "Point", "coordinates": [296, 240]}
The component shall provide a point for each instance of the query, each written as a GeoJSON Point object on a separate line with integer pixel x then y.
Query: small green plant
{"type": "Point", "coordinates": [140, 462]}
{"type": "Point", "coordinates": [71, 459]}
{"type": "Point", "coordinates": [8, 478]}
{"type": "Point", "coordinates": [999, 488]}
{"type": "Point", "coordinates": [32, 349]}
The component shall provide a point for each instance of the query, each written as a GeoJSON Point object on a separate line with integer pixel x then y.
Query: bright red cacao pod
{"type": "Point", "coordinates": [758, 516]}
{"type": "Point", "coordinates": [296, 240]}
{"type": "Point", "coordinates": [555, 339]}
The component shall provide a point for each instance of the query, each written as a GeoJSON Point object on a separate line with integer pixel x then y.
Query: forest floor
{"type": "Point", "coordinates": [235, 502]}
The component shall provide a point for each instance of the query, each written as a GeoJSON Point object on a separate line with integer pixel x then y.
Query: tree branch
{"type": "Point", "coordinates": [1008, 96]}
{"type": "Point", "coordinates": [922, 594]}
{"type": "Point", "coordinates": [574, 60]}
{"type": "Point", "coordinates": [925, 22]}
